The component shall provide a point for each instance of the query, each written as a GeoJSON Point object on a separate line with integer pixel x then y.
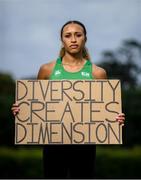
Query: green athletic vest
{"type": "Point", "coordinates": [59, 73]}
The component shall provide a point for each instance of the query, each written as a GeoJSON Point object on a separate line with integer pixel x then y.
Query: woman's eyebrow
{"type": "Point", "coordinates": [72, 32]}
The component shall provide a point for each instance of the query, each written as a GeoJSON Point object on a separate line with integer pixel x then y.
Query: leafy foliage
{"type": "Point", "coordinates": [123, 63]}
{"type": "Point", "coordinates": [7, 87]}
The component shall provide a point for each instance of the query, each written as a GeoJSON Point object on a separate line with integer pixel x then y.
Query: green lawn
{"type": "Point", "coordinates": [118, 162]}
{"type": "Point", "coordinates": [21, 162]}
{"type": "Point", "coordinates": [112, 162]}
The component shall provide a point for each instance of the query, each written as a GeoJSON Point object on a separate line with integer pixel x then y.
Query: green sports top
{"type": "Point", "coordinates": [59, 73]}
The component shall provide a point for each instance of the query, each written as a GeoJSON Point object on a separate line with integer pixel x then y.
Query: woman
{"type": "Point", "coordinates": [72, 161]}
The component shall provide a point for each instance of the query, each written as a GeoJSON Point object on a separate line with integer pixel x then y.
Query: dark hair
{"type": "Point", "coordinates": [73, 22]}
{"type": "Point", "coordinates": [85, 52]}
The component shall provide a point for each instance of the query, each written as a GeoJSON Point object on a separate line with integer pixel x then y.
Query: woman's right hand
{"type": "Point", "coordinates": [15, 109]}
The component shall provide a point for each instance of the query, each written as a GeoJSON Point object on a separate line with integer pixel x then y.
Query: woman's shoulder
{"type": "Point", "coordinates": [98, 72]}
{"type": "Point", "coordinates": [46, 70]}
{"type": "Point", "coordinates": [48, 65]}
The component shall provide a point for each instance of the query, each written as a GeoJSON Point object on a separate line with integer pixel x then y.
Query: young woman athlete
{"type": "Point", "coordinates": [73, 63]}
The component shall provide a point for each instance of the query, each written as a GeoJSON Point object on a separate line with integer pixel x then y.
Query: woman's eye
{"type": "Point", "coordinates": [67, 36]}
{"type": "Point", "coordinates": [79, 35]}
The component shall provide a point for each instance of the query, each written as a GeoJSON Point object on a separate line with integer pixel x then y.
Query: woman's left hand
{"type": "Point", "coordinates": [121, 118]}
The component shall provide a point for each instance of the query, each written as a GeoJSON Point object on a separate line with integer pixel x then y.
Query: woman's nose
{"type": "Point", "coordinates": [73, 39]}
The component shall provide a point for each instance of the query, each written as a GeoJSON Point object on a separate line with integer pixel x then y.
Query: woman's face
{"type": "Point", "coordinates": [73, 38]}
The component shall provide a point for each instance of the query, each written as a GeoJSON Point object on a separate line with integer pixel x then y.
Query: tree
{"type": "Point", "coordinates": [7, 91]}
{"type": "Point", "coordinates": [122, 63]}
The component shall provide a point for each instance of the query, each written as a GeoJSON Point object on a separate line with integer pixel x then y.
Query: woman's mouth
{"type": "Point", "coordinates": [74, 46]}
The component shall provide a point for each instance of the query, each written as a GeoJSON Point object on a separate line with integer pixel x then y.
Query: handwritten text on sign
{"type": "Point", "coordinates": [68, 112]}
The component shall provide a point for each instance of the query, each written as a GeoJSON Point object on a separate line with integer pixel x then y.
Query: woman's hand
{"type": "Point", "coordinates": [15, 109]}
{"type": "Point", "coordinates": [121, 118]}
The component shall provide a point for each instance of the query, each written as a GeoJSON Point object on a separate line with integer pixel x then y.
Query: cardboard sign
{"type": "Point", "coordinates": [68, 112]}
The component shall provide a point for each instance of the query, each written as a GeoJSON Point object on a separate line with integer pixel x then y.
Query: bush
{"type": "Point", "coordinates": [131, 107]}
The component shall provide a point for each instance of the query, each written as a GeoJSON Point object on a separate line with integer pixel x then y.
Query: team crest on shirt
{"type": "Point", "coordinates": [57, 72]}
{"type": "Point", "coordinates": [85, 74]}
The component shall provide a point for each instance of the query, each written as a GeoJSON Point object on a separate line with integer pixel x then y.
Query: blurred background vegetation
{"type": "Point", "coordinates": [114, 161]}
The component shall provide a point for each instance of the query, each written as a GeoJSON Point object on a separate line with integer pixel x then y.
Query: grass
{"type": "Point", "coordinates": [118, 162]}
{"type": "Point", "coordinates": [112, 162]}
{"type": "Point", "coordinates": [21, 162]}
